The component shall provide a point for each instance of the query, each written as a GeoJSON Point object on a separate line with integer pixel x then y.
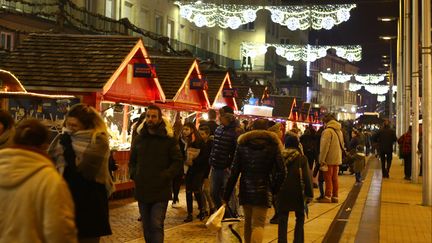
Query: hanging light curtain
{"type": "Point", "coordinates": [301, 52]}
{"type": "Point", "coordinates": [373, 89]}
{"type": "Point", "coordinates": [369, 78]}
{"type": "Point", "coordinates": [336, 77]}
{"type": "Point", "coordinates": [222, 15]}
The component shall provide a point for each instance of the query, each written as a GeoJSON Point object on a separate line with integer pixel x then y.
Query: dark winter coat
{"type": "Point", "coordinates": [224, 145]}
{"type": "Point", "coordinates": [196, 172]}
{"type": "Point", "coordinates": [257, 159]}
{"type": "Point", "coordinates": [290, 196]}
{"type": "Point", "coordinates": [309, 142]}
{"type": "Point", "coordinates": [155, 161]}
{"type": "Point", "coordinates": [385, 138]}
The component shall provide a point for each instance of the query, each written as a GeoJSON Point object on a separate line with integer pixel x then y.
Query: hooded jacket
{"type": "Point", "coordinates": [258, 160]}
{"type": "Point", "coordinates": [291, 196]}
{"type": "Point", "coordinates": [35, 203]}
{"type": "Point", "coordinates": [330, 144]}
{"type": "Point", "coordinates": [155, 160]}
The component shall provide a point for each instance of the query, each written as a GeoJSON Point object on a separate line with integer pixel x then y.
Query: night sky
{"type": "Point", "coordinates": [363, 29]}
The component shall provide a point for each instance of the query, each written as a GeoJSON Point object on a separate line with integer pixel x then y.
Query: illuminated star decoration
{"type": "Point", "coordinates": [301, 52]}
{"type": "Point", "coordinates": [223, 15]}
{"type": "Point", "coordinates": [316, 16]}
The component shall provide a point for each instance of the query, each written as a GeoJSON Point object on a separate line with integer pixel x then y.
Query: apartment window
{"type": "Point", "coordinates": [158, 24]}
{"type": "Point", "coordinates": [211, 44]}
{"type": "Point", "coordinates": [203, 40]}
{"type": "Point", "coordinates": [191, 38]}
{"type": "Point", "coordinates": [127, 10]}
{"type": "Point", "coordinates": [248, 26]}
{"type": "Point", "coordinates": [170, 29]}
{"type": "Point", "coordinates": [218, 46]}
{"type": "Point", "coordinates": [144, 19]}
{"type": "Point", "coordinates": [6, 41]}
{"type": "Point", "coordinates": [110, 9]}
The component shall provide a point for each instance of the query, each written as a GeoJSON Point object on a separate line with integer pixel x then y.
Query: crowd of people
{"type": "Point", "coordinates": [221, 162]}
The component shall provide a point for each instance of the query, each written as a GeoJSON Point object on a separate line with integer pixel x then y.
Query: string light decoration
{"type": "Point", "coordinates": [223, 15]}
{"type": "Point", "coordinates": [369, 78]}
{"type": "Point", "coordinates": [289, 70]}
{"type": "Point", "coordinates": [336, 77]}
{"type": "Point", "coordinates": [381, 98]}
{"type": "Point", "coordinates": [308, 53]}
{"type": "Point", "coordinates": [373, 89]}
{"type": "Point", "coordinates": [316, 16]}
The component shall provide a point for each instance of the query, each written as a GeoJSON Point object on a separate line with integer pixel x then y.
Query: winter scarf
{"type": "Point", "coordinates": [91, 157]}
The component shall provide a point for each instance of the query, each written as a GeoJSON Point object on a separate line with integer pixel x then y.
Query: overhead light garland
{"type": "Point", "coordinates": [381, 98]}
{"type": "Point", "coordinates": [369, 78]}
{"type": "Point", "coordinates": [315, 16]}
{"type": "Point", "coordinates": [373, 89]}
{"type": "Point", "coordinates": [223, 15]}
{"type": "Point", "coordinates": [336, 77]}
{"type": "Point", "coordinates": [294, 17]}
{"type": "Point", "coordinates": [308, 53]}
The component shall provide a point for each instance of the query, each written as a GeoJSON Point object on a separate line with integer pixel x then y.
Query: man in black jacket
{"type": "Point", "coordinates": [222, 154]}
{"type": "Point", "coordinates": [385, 138]}
{"type": "Point", "coordinates": [155, 161]}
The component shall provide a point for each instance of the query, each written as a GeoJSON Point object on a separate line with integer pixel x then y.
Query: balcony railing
{"type": "Point", "coordinates": [65, 11]}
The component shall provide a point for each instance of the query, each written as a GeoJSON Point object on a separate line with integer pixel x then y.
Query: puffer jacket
{"type": "Point", "coordinates": [257, 159]}
{"type": "Point", "coordinates": [291, 197]}
{"type": "Point", "coordinates": [155, 160]}
{"type": "Point", "coordinates": [330, 144]}
{"type": "Point", "coordinates": [224, 145]}
{"type": "Point", "coordinates": [35, 203]}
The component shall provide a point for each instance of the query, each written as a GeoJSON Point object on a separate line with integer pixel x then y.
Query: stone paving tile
{"type": "Point", "coordinates": [126, 228]}
{"type": "Point", "coordinates": [403, 218]}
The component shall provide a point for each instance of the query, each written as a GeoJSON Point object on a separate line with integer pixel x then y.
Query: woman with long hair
{"type": "Point", "coordinates": [193, 146]}
{"type": "Point", "coordinates": [81, 154]}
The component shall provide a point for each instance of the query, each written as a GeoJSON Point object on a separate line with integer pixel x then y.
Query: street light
{"type": "Point", "coordinates": [387, 19]}
{"type": "Point", "coordinates": [390, 65]}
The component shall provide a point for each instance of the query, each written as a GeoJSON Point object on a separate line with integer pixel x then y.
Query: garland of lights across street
{"type": "Point", "coordinates": [308, 53]}
{"type": "Point", "coordinates": [294, 17]}
{"type": "Point", "coordinates": [362, 78]}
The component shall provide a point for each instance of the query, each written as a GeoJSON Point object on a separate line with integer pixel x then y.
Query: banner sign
{"type": "Point", "coordinates": [142, 70]}
{"type": "Point", "coordinates": [196, 83]}
{"type": "Point", "coordinates": [229, 93]}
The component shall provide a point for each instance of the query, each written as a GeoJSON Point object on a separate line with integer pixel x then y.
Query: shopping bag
{"type": "Point", "coordinates": [214, 223]}
{"type": "Point", "coordinates": [228, 233]}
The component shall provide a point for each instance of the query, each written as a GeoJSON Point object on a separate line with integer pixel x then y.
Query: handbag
{"type": "Point", "coordinates": [344, 152]}
{"type": "Point", "coordinates": [214, 222]}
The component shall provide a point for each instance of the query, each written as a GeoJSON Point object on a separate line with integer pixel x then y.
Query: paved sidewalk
{"type": "Point", "coordinates": [126, 228]}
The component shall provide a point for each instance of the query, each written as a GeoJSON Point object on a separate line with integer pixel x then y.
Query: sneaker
{"type": "Point", "coordinates": [175, 204]}
{"type": "Point", "coordinates": [274, 220]}
{"type": "Point", "coordinates": [325, 200]}
{"type": "Point", "coordinates": [188, 219]}
{"type": "Point", "coordinates": [334, 200]}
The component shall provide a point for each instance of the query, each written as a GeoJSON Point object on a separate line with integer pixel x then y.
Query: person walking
{"type": "Point", "coordinates": [385, 138]}
{"type": "Point", "coordinates": [330, 157]}
{"type": "Point", "coordinates": [195, 160]}
{"type": "Point", "coordinates": [155, 161]}
{"type": "Point", "coordinates": [35, 202]}
{"type": "Point", "coordinates": [257, 158]}
{"type": "Point", "coordinates": [7, 129]}
{"type": "Point", "coordinates": [81, 153]}
{"type": "Point", "coordinates": [222, 154]}
{"type": "Point", "coordinates": [296, 191]}
{"type": "Point", "coordinates": [405, 146]}
{"type": "Point", "coordinates": [204, 132]}
{"type": "Point", "coordinates": [309, 142]}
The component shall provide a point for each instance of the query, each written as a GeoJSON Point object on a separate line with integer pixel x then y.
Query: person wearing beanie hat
{"type": "Point", "coordinates": [296, 190]}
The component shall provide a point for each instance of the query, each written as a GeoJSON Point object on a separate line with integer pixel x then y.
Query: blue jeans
{"type": "Point", "coordinates": [218, 180]}
{"type": "Point", "coordinates": [153, 217]}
